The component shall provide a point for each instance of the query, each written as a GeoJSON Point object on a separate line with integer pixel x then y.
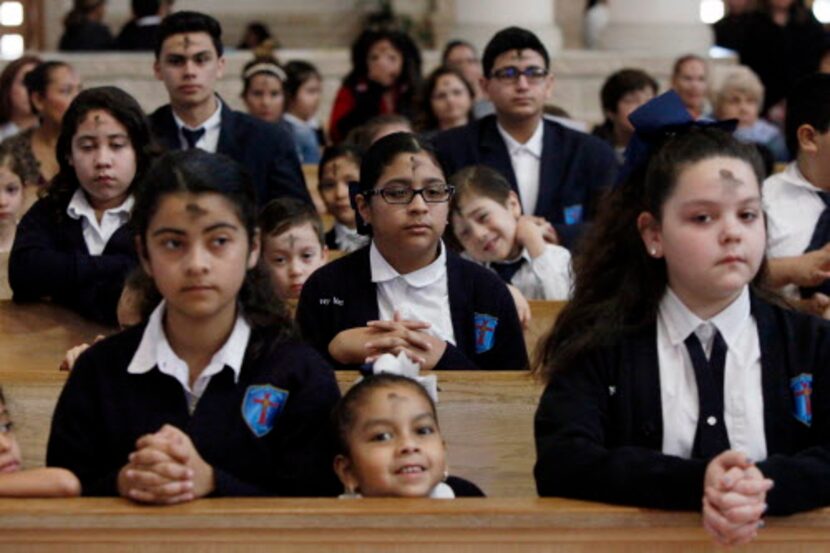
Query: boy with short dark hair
{"type": "Point", "coordinates": [623, 92]}
{"type": "Point", "coordinates": [797, 200]}
{"type": "Point", "coordinates": [293, 245]}
{"type": "Point", "coordinates": [189, 60]}
{"type": "Point", "coordinates": [558, 173]}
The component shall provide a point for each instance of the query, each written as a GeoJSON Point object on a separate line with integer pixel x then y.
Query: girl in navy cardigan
{"type": "Point", "coordinates": [405, 291]}
{"type": "Point", "coordinates": [213, 395]}
{"type": "Point", "coordinates": [73, 244]}
{"type": "Point", "coordinates": [671, 381]}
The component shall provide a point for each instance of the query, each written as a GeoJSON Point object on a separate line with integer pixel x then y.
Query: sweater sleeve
{"type": "Point", "coordinates": [576, 457]}
{"type": "Point", "coordinates": [76, 432]}
{"type": "Point", "coordinates": [41, 265]}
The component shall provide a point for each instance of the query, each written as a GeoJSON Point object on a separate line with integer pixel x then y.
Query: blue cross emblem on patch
{"type": "Point", "coordinates": [261, 406]}
{"type": "Point", "coordinates": [485, 331]}
{"type": "Point", "coordinates": [573, 214]}
{"type": "Point", "coordinates": [802, 388]}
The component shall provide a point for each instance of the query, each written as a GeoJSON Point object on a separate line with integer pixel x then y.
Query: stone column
{"type": "Point", "coordinates": [478, 20]}
{"type": "Point", "coordinates": [656, 26]}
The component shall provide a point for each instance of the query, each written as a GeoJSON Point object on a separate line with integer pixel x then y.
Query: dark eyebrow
{"type": "Point", "coordinates": [165, 230]}
{"type": "Point", "coordinates": [221, 225]}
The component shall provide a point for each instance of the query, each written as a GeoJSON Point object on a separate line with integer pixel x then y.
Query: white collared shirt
{"type": "Point", "coordinates": [743, 396]}
{"type": "Point", "coordinates": [548, 277]}
{"type": "Point", "coordinates": [421, 295]}
{"type": "Point", "coordinates": [526, 160]}
{"type": "Point", "coordinates": [154, 351]}
{"type": "Point", "coordinates": [212, 125]}
{"type": "Point", "coordinates": [148, 20]}
{"type": "Point", "coordinates": [348, 239]}
{"type": "Point", "coordinates": [793, 208]}
{"type": "Point", "coordinates": [96, 235]}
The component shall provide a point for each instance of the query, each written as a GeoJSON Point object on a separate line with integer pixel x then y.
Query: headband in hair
{"type": "Point", "coordinates": [265, 67]}
{"type": "Point", "coordinates": [659, 118]}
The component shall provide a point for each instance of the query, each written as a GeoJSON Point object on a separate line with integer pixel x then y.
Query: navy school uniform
{"type": "Point", "coordinates": [488, 335]}
{"type": "Point", "coordinates": [463, 488]}
{"type": "Point", "coordinates": [599, 424]}
{"type": "Point", "coordinates": [103, 410]}
{"type": "Point", "coordinates": [50, 259]}
{"type": "Point", "coordinates": [574, 171]}
{"type": "Point", "coordinates": [267, 151]}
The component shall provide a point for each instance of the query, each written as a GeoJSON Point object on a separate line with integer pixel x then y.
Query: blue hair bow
{"type": "Point", "coordinates": [658, 118]}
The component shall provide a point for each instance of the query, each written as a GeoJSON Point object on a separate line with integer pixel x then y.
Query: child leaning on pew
{"type": "Point", "coordinates": [214, 395]}
{"type": "Point", "coordinates": [405, 291]}
{"type": "Point", "coordinates": [39, 482]}
{"type": "Point", "coordinates": [390, 444]}
{"type": "Point", "coordinates": [672, 380]}
{"type": "Point", "coordinates": [487, 221]}
{"type": "Point", "coordinates": [292, 244]}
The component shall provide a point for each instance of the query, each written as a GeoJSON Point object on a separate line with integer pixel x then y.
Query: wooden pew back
{"type": "Point", "coordinates": [486, 417]}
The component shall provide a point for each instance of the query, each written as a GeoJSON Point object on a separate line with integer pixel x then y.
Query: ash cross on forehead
{"type": "Point", "coordinates": [97, 120]}
{"type": "Point", "coordinates": [517, 55]}
{"type": "Point", "coordinates": [414, 163]}
{"type": "Point", "coordinates": [729, 180]}
{"type": "Point", "coordinates": [291, 240]}
{"type": "Point", "coordinates": [195, 210]}
{"type": "Point", "coordinates": [186, 41]}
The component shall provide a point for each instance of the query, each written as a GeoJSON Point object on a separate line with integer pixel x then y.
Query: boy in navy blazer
{"type": "Point", "coordinates": [189, 61]}
{"type": "Point", "coordinates": [557, 172]}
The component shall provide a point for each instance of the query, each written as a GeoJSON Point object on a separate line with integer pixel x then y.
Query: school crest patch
{"type": "Point", "coordinates": [485, 331]}
{"type": "Point", "coordinates": [802, 388]}
{"type": "Point", "coordinates": [573, 214]}
{"type": "Point", "coordinates": [261, 406]}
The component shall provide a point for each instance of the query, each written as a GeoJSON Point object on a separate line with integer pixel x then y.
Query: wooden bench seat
{"type": "Point", "coordinates": [486, 417]}
{"type": "Point", "coordinates": [375, 525]}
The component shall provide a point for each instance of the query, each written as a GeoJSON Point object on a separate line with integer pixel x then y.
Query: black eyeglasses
{"type": "Point", "coordinates": [533, 74]}
{"type": "Point", "coordinates": [433, 194]}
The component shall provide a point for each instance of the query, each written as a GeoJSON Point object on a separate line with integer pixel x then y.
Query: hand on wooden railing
{"type": "Point", "coordinates": [734, 499]}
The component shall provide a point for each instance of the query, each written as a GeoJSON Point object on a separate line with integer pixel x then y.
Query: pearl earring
{"type": "Point", "coordinates": [653, 252]}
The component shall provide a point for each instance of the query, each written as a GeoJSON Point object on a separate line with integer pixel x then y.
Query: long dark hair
{"type": "Point", "coordinates": [410, 77]}
{"type": "Point", "coordinates": [427, 119]}
{"type": "Point", "coordinates": [125, 109]}
{"type": "Point", "coordinates": [198, 172]}
{"type": "Point", "coordinates": [7, 78]}
{"type": "Point", "coordinates": [617, 285]}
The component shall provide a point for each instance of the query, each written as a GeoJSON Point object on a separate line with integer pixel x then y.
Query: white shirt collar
{"type": "Point", "coordinates": [382, 271]}
{"type": "Point", "coordinates": [211, 123]}
{"type": "Point", "coordinates": [532, 146]}
{"type": "Point", "coordinates": [154, 351]}
{"type": "Point", "coordinates": [148, 20]}
{"type": "Point", "coordinates": [348, 239]}
{"type": "Point", "coordinates": [79, 207]}
{"type": "Point", "coordinates": [793, 175]}
{"type": "Point", "coordinates": [681, 322]}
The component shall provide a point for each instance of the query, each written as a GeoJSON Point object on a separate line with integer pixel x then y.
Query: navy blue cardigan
{"type": "Point", "coordinates": [599, 426]}
{"type": "Point", "coordinates": [103, 410]}
{"type": "Point", "coordinates": [574, 170]}
{"type": "Point", "coordinates": [50, 259]}
{"type": "Point", "coordinates": [341, 295]}
{"type": "Point", "coordinates": [267, 151]}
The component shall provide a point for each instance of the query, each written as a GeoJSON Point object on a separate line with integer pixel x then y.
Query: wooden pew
{"type": "Point", "coordinates": [486, 417]}
{"type": "Point", "coordinates": [542, 316]}
{"type": "Point", "coordinates": [375, 525]}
